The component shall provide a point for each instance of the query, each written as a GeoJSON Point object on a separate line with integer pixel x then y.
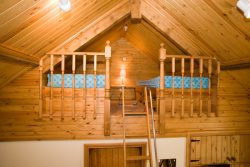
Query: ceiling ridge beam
{"type": "Point", "coordinates": [17, 54]}
{"type": "Point", "coordinates": [135, 7]}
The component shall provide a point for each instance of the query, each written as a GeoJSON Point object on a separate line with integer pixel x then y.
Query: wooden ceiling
{"type": "Point", "coordinates": [31, 28]}
{"type": "Point", "coordinates": [142, 35]}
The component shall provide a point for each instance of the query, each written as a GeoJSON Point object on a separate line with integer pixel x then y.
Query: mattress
{"type": "Point", "coordinates": [79, 79]}
{"type": "Point", "coordinates": [155, 82]}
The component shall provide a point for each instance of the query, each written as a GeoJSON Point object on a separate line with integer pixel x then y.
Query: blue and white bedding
{"type": "Point", "coordinates": [155, 82]}
{"type": "Point", "coordinates": [79, 79]}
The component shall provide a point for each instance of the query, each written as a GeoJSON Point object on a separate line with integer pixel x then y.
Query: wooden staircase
{"type": "Point", "coordinates": [126, 114]}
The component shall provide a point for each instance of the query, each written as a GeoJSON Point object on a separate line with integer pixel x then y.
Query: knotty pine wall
{"type": "Point", "coordinates": [233, 109]}
{"type": "Point", "coordinates": [19, 106]}
{"type": "Point", "coordinates": [138, 66]}
{"type": "Point", "coordinates": [19, 102]}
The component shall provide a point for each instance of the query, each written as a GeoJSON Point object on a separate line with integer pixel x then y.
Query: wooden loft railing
{"type": "Point", "coordinates": [211, 92]}
{"type": "Point", "coordinates": [51, 59]}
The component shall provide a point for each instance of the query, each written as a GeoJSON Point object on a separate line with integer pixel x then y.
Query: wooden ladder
{"type": "Point", "coordinates": [125, 114]}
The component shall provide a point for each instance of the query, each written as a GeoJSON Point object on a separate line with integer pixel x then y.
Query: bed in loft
{"type": "Point", "coordinates": [192, 93]}
{"type": "Point", "coordinates": [155, 82]}
{"type": "Point", "coordinates": [80, 80]}
{"type": "Point", "coordinates": [74, 95]}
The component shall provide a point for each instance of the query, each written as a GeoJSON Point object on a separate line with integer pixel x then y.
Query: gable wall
{"type": "Point", "coordinates": [19, 106]}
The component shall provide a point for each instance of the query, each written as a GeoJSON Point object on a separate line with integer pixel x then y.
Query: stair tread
{"type": "Point", "coordinates": [138, 135]}
{"type": "Point", "coordinates": [135, 113]}
{"type": "Point", "coordinates": [138, 157]}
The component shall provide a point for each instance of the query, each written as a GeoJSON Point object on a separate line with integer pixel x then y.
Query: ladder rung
{"type": "Point", "coordinates": [138, 158]}
{"type": "Point", "coordinates": [137, 135]}
{"type": "Point", "coordinates": [130, 105]}
{"type": "Point", "coordinates": [135, 113]}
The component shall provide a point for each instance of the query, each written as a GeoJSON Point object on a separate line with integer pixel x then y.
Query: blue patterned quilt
{"type": "Point", "coordinates": [79, 79]}
{"type": "Point", "coordinates": [155, 82]}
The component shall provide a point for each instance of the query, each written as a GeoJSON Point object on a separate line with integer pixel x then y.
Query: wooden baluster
{"type": "Point", "coordinates": [173, 87]}
{"type": "Point", "coordinates": [191, 86]}
{"type": "Point", "coordinates": [209, 87]}
{"type": "Point", "coordinates": [41, 89]}
{"type": "Point", "coordinates": [62, 88]}
{"type": "Point", "coordinates": [73, 85]}
{"type": "Point", "coordinates": [51, 85]}
{"type": "Point", "coordinates": [162, 113]}
{"type": "Point", "coordinates": [218, 72]}
{"type": "Point", "coordinates": [182, 85]}
{"type": "Point", "coordinates": [95, 64]}
{"type": "Point", "coordinates": [200, 97]}
{"type": "Point", "coordinates": [107, 91]}
{"type": "Point", "coordinates": [84, 87]}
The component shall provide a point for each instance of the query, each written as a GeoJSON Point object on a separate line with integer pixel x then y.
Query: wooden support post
{"type": "Point", "coordinates": [51, 85]}
{"type": "Point", "coordinates": [214, 87]}
{"type": "Point", "coordinates": [162, 112]}
{"type": "Point", "coordinates": [173, 88]}
{"type": "Point", "coordinates": [191, 86]}
{"type": "Point", "coordinates": [218, 72]}
{"type": "Point", "coordinates": [107, 91]}
{"type": "Point", "coordinates": [95, 64]}
{"type": "Point", "coordinates": [73, 85]}
{"type": "Point", "coordinates": [182, 85]}
{"type": "Point", "coordinates": [215, 92]}
{"type": "Point", "coordinates": [188, 149]}
{"type": "Point", "coordinates": [200, 97]}
{"type": "Point", "coordinates": [84, 87]}
{"type": "Point", "coordinates": [124, 130]}
{"type": "Point", "coordinates": [209, 87]}
{"type": "Point", "coordinates": [62, 88]}
{"type": "Point", "coordinates": [41, 88]}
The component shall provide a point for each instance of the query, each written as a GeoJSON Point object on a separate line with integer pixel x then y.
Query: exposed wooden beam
{"type": "Point", "coordinates": [16, 54]}
{"type": "Point", "coordinates": [135, 10]}
{"type": "Point", "coordinates": [13, 77]}
{"type": "Point", "coordinates": [242, 63]}
{"type": "Point", "coordinates": [236, 66]}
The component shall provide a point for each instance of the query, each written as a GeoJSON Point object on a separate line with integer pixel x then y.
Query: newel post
{"type": "Point", "coordinates": [107, 91]}
{"type": "Point", "coordinates": [162, 57]}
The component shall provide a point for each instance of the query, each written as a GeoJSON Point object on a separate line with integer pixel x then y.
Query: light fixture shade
{"type": "Point", "coordinates": [123, 73]}
{"type": "Point", "coordinates": [247, 13]}
{"type": "Point", "coordinates": [65, 5]}
{"type": "Point", "coordinates": [244, 6]}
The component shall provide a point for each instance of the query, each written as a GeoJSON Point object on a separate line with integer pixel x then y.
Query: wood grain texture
{"type": "Point", "coordinates": [19, 107]}
{"type": "Point", "coordinates": [219, 149]}
{"type": "Point", "coordinates": [205, 27]}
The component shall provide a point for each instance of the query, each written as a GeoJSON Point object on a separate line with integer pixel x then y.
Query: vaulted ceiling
{"type": "Point", "coordinates": [31, 28]}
